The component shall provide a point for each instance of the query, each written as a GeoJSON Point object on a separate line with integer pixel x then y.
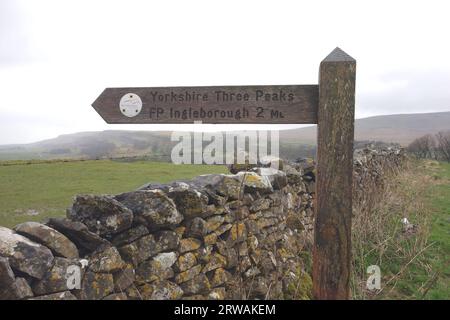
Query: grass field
{"type": "Point", "coordinates": [417, 265]}
{"type": "Point", "coordinates": [438, 256]}
{"type": "Point", "coordinates": [32, 192]}
{"type": "Point", "coordinates": [413, 258]}
{"type": "Point", "coordinates": [427, 274]}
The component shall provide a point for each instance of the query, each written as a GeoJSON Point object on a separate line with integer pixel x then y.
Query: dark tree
{"type": "Point", "coordinates": [423, 147]}
{"type": "Point", "coordinates": [443, 145]}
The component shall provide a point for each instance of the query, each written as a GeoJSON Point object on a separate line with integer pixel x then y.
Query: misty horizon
{"type": "Point", "coordinates": [214, 127]}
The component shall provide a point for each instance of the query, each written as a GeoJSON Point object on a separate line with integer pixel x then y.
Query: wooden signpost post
{"type": "Point", "coordinates": [330, 105]}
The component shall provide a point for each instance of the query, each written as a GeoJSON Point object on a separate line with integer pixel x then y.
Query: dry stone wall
{"type": "Point", "coordinates": [371, 168]}
{"type": "Point", "coordinates": [245, 235]}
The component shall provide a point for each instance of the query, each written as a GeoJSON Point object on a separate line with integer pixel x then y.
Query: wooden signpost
{"type": "Point", "coordinates": [230, 104]}
{"type": "Point", "coordinates": [330, 105]}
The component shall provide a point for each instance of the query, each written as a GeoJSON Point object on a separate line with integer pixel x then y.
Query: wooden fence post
{"type": "Point", "coordinates": [332, 232]}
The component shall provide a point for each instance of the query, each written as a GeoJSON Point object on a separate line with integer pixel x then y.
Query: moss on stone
{"type": "Point", "coordinates": [299, 287]}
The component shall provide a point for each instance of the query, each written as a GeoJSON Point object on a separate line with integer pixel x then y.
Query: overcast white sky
{"type": "Point", "coordinates": [57, 56]}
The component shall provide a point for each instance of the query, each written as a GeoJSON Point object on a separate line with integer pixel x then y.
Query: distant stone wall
{"type": "Point", "coordinates": [245, 235]}
{"type": "Point", "coordinates": [371, 168]}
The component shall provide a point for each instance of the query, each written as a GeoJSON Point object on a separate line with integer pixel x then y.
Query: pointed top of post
{"type": "Point", "coordinates": [338, 55]}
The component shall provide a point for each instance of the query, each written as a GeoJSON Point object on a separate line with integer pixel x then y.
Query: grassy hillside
{"type": "Point", "coordinates": [31, 192]}
{"type": "Point", "coordinates": [438, 195]}
{"type": "Point", "coordinates": [92, 145]}
{"type": "Point", "coordinates": [414, 262]}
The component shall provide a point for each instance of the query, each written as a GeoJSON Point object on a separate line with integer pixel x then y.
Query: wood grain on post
{"type": "Point", "coordinates": [332, 233]}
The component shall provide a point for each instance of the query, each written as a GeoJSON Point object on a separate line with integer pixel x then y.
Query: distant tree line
{"type": "Point", "coordinates": [432, 146]}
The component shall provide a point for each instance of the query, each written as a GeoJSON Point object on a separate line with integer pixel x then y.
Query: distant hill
{"type": "Point", "coordinates": [398, 128]}
{"type": "Point", "coordinates": [402, 128]}
{"type": "Point", "coordinates": [92, 145]}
